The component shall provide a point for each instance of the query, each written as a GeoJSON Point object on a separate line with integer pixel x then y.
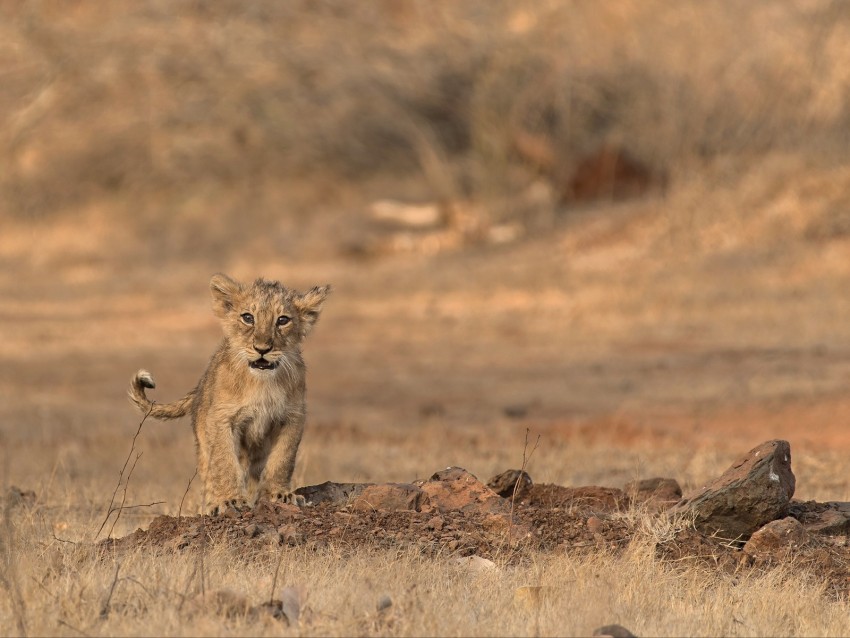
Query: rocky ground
{"type": "Point", "coordinates": [744, 520]}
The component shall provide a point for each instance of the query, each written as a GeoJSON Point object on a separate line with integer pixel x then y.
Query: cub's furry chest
{"type": "Point", "coordinates": [262, 413]}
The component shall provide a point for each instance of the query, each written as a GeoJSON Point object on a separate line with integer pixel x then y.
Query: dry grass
{"type": "Point", "coordinates": [147, 146]}
{"type": "Point", "coordinates": [70, 592]}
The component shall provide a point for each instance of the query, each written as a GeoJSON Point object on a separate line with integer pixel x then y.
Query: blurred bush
{"type": "Point", "coordinates": [136, 102]}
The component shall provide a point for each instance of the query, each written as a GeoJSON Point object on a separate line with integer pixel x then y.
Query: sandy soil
{"type": "Point", "coordinates": [618, 336]}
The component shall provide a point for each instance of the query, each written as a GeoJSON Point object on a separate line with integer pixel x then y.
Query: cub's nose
{"type": "Point", "coordinates": [262, 349]}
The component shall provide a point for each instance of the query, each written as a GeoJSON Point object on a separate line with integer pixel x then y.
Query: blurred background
{"type": "Point", "coordinates": [624, 227]}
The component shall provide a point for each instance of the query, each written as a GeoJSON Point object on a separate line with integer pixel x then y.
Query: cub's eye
{"type": "Point", "coordinates": [283, 320]}
{"type": "Point", "coordinates": [248, 318]}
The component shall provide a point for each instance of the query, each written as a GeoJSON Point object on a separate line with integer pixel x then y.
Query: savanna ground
{"type": "Point", "coordinates": [146, 147]}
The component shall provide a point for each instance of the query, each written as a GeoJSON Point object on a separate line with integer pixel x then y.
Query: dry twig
{"type": "Point", "coordinates": [111, 509]}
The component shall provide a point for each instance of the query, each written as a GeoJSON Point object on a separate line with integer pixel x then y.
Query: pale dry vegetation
{"type": "Point", "coordinates": [68, 591]}
{"type": "Point", "coordinates": [147, 145]}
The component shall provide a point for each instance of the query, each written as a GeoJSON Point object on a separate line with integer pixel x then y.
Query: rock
{"type": "Point", "coordinates": [594, 524]}
{"type": "Point", "coordinates": [611, 173]}
{"type": "Point", "coordinates": [591, 498]}
{"type": "Point", "coordinates": [757, 489]}
{"type": "Point", "coordinates": [516, 410]}
{"type": "Point", "coordinates": [475, 563]}
{"type": "Point", "coordinates": [503, 484]}
{"type": "Point", "coordinates": [824, 519]}
{"type": "Point", "coordinates": [287, 609]}
{"type": "Point", "coordinates": [384, 603]}
{"type": "Point", "coordinates": [456, 489]}
{"type": "Point", "coordinates": [615, 631]}
{"type": "Point", "coordinates": [657, 493]}
{"type": "Point", "coordinates": [329, 492]}
{"type": "Point", "coordinates": [409, 215]}
{"type": "Point", "coordinates": [290, 599]}
{"type": "Point", "coordinates": [777, 539]}
{"type": "Point", "coordinates": [393, 497]}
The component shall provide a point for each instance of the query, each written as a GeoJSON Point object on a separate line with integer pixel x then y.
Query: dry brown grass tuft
{"type": "Point", "coordinates": [69, 590]}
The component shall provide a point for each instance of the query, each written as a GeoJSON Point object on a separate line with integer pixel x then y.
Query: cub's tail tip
{"type": "Point", "coordinates": [144, 379]}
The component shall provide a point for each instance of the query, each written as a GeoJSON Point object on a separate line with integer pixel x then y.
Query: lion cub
{"type": "Point", "coordinates": [248, 408]}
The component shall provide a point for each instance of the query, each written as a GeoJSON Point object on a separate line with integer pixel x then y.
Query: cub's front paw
{"type": "Point", "coordinates": [230, 505]}
{"type": "Point", "coordinates": [288, 497]}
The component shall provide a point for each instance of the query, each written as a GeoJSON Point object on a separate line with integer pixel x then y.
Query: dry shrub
{"type": "Point", "coordinates": [153, 98]}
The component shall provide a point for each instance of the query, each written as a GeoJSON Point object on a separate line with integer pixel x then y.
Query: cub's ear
{"type": "Point", "coordinates": [309, 305]}
{"type": "Point", "coordinates": [224, 290]}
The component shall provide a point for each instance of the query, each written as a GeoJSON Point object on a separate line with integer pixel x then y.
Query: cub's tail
{"type": "Point", "coordinates": [163, 411]}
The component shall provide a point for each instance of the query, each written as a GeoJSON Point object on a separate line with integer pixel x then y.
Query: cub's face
{"type": "Point", "coordinates": [265, 321]}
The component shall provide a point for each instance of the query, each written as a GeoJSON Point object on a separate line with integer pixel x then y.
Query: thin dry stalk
{"type": "Point", "coordinates": [526, 457]}
{"type": "Point", "coordinates": [104, 610]}
{"type": "Point", "coordinates": [276, 572]}
{"type": "Point", "coordinates": [111, 509]}
{"type": "Point", "coordinates": [525, 460]}
{"type": "Point", "coordinates": [203, 540]}
{"type": "Point", "coordinates": [188, 485]}
{"type": "Point", "coordinates": [121, 507]}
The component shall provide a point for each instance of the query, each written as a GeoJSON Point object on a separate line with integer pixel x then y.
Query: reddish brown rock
{"type": "Point", "coordinates": [330, 492]}
{"type": "Point", "coordinates": [824, 519]}
{"type": "Point", "coordinates": [777, 539]}
{"type": "Point", "coordinates": [393, 497]}
{"type": "Point", "coordinates": [757, 489]}
{"type": "Point", "coordinates": [456, 489]}
{"type": "Point", "coordinates": [611, 173]}
{"type": "Point", "coordinates": [505, 483]}
{"type": "Point", "coordinates": [656, 493]}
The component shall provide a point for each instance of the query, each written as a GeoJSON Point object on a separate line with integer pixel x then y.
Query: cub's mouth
{"type": "Point", "coordinates": [263, 364]}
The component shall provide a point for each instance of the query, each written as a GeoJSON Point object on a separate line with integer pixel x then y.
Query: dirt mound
{"type": "Point", "coordinates": [453, 513]}
{"type": "Point", "coordinates": [327, 524]}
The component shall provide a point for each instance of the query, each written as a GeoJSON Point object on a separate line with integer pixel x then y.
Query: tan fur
{"type": "Point", "coordinates": [248, 421]}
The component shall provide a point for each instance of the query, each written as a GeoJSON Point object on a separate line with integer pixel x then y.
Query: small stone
{"type": "Point", "coordinates": [594, 524]}
{"type": "Point", "coordinates": [291, 598]}
{"type": "Point", "coordinates": [435, 523]}
{"type": "Point", "coordinates": [384, 603]}
{"type": "Point", "coordinates": [777, 539]}
{"type": "Point", "coordinates": [503, 484]}
{"type": "Point", "coordinates": [289, 534]}
{"type": "Point", "coordinates": [329, 492]}
{"type": "Point", "coordinates": [476, 563]}
{"type": "Point", "coordinates": [615, 631]}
